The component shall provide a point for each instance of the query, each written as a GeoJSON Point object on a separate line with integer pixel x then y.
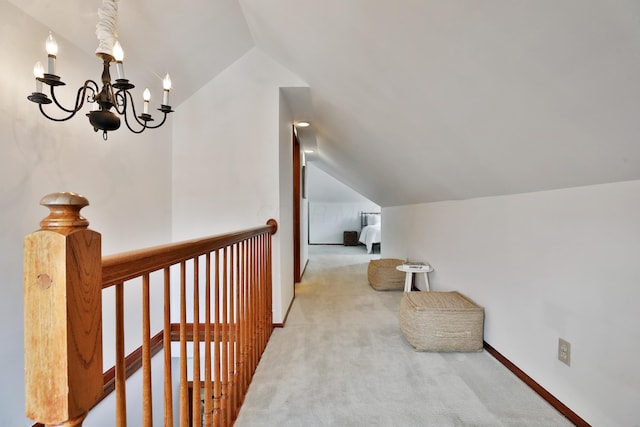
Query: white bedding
{"type": "Point", "coordinates": [369, 235]}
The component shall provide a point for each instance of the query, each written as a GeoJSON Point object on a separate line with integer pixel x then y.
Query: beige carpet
{"type": "Point", "coordinates": [341, 360]}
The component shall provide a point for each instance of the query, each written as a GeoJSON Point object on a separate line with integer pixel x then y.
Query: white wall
{"type": "Point", "coordinates": [328, 221]}
{"type": "Point", "coordinates": [125, 179]}
{"type": "Point", "coordinates": [333, 207]}
{"type": "Point", "coordinates": [544, 265]}
{"type": "Point", "coordinates": [230, 161]}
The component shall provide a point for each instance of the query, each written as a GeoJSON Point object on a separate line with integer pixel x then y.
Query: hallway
{"type": "Point", "coordinates": [341, 360]}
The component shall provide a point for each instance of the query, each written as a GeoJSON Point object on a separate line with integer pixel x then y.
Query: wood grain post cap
{"type": "Point", "coordinates": [64, 211]}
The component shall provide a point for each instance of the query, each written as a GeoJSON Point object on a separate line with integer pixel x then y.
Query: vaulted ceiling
{"type": "Point", "coordinates": [417, 100]}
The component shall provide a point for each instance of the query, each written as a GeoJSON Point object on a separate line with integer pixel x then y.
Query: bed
{"type": "Point", "coordinates": [370, 229]}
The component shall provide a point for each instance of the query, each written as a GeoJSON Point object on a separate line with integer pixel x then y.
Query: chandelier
{"type": "Point", "coordinates": [111, 96]}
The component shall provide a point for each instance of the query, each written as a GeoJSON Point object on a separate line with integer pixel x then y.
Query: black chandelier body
{"type": "Point", "coordinates": [115, 96]}
{"type": "Point", "coordinates": [110, 100]}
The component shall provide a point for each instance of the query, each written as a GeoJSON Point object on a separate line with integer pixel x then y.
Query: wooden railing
{"type": "Point", "coordinates": [228, 278]}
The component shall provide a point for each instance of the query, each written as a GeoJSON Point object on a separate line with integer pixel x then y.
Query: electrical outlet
{"type": "Point", "coordinates": [564, 351]}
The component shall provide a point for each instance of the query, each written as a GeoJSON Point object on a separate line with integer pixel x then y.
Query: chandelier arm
{"type": "Point", "coordinates": [121, 101]}
{"type": "Point", "coordinates": [133, 109]}
{"type": "Point", "coordinates": [80, 96]}
{"type": "Point", "coordinates": [126, 122]}
{"type": "Point", "coordinates": [55, 119]}
{"type": "Point", "coordinates": [164, 119]}
{"type": "Point", "coordinates": [122, 96]}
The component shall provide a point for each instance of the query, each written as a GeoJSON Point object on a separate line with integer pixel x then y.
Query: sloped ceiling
{"type": "Point", "coordinates": [418, 101]}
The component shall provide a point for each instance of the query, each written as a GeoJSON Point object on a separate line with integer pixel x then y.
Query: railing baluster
{"type": "Point", "coordinates": [208, 408]}
{"type": "Point", "coordinates": [266, 262]}
{"type": "Point", "coordinates": [249, 308]}
{"type": "Point", "coordinates": [166, 336]}
{"type": "Point", "coordinates": [239, 322]}
{"type": "Point", "coordinates": [266, 322]}
{"type": "Point", "coordinates": [254, 303]}
{"type": "Point", "coordinates": [269, 283]}
{"type": "Point", "coordinates": [261, 299]}
{"type": "Point", "coordinates": [258, 301]}
{"type": "Point", "coordinates": [121, 387]}
{"type": "Point", "coordinates": [242, 364]}
{"type": "Point", "coordinates": [147, 411]}
{"type": "Point", "coordinates": [247, 317]}
{"type": "Point", "coordinates": [225, 343]}
{"type": "Point", "coordinates": [196, 404]}
{"type": "Point", "coordinates": [249, 344]}
{"type": "Point", "coordinates": [232, 334]}
{"type": "Point", "coordinates": [184, 397]}
{"type": "Point", "coordinates": [217, 383]}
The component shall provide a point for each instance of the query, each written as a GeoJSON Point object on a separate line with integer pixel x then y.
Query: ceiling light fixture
{"type": "Point", "coordinates": [303, 124]}
{"type": "Point", "coordinates": [116, 96]}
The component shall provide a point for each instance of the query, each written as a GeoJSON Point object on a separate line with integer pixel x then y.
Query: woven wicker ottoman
{"type": "Point", "coordinates": [383, 275]}
{"type": "Point", "coordinates": [441, 321]}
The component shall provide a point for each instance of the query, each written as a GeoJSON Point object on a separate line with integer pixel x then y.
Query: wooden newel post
{"type": "Point", "coordinates": [62, 314]}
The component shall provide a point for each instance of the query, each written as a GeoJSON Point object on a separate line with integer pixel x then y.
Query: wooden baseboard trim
{"type": "Point", "coordinates": [552, 400]}
{"type": "Point", "coordinates": [281, 325]}
{"type": "Point", "coordinates": [304, 268]}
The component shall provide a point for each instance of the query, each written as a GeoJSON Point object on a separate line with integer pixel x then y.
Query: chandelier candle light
{"type": "Point", "coordinates": [105, 99]}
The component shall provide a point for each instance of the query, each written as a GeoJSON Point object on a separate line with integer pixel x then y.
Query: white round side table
{"type": "Point", "coordinates": [412, 269]}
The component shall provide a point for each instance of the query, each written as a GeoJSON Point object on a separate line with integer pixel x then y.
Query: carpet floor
{"type": "Point", "coordinates": [341, 360]}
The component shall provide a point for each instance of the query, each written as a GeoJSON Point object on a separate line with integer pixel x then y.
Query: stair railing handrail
{"type": "Point", "coordinates": [129, 265]}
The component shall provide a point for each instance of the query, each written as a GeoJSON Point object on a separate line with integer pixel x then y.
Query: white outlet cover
{"type": "Point", "coordinates": [564, 351]}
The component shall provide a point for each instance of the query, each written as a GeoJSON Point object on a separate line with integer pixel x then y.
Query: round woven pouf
{"type": "Point", "coordinates": [383, 275]}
